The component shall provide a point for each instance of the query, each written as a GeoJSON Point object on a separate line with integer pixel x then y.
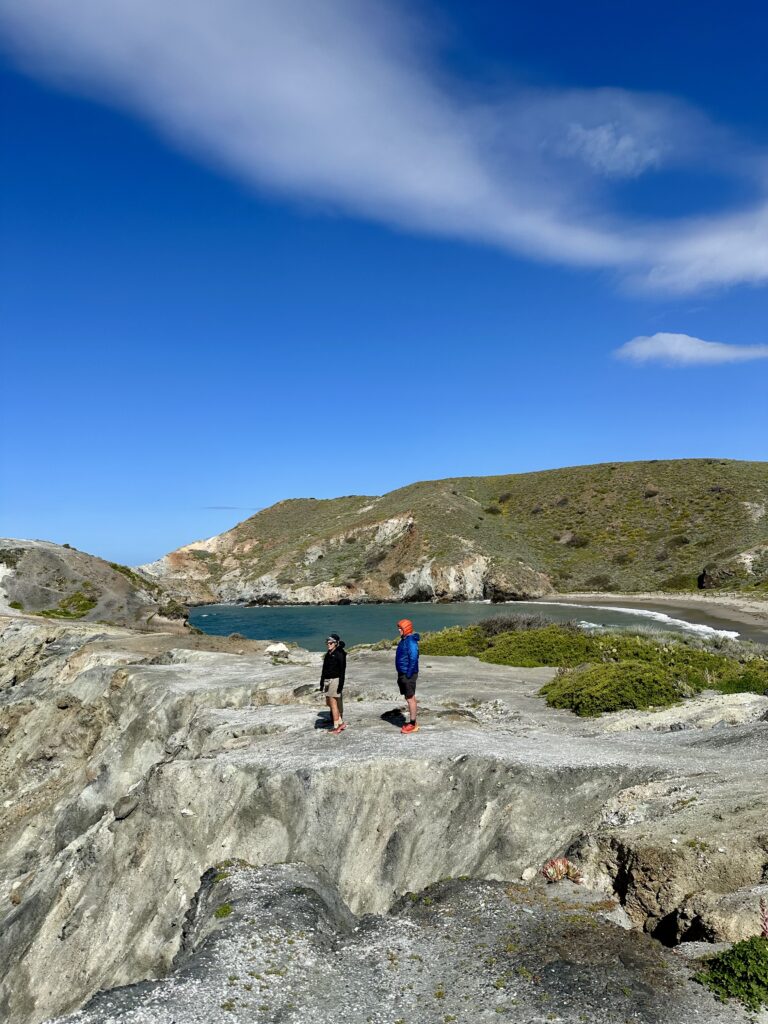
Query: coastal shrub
{"type": "Point", "coordinates": [600, 582]}
{"type": "Point", "coordinates": [678, 541]}
{"type": "Point", "coordinates": [578, 540]}
{"type": "Point", "coordinates": [454, 641]}
{"type": "Point", "coordinates": [17, 605]}
{"type": "Point", "coordinates": [593, 689]}
{"type": "Point", "coordinates": [73, 607]}
{"type": "Point", "coordinates": [512, 623]}
{"type": "Point", "coordinates": [138, 581]}
{"type": "Point", "coordinates": [749, 678]}
{"type": "Point", "coordinates": [10, 557]}
{"type": "Point", "coordinates": [173, 609]}
{"type": "Point", "coordinates": [623, 558]}
{"type": "Point", "coordinates": [681, 581]}
{"type": "Point", "coordinates": [741, 972]}
{"type": "Point", "coordinates": [551, 645]}
{"type": "Point", "coordinates": [686, 664]}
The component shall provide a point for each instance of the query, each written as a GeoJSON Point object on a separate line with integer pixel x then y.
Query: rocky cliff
{"type": "Point", "coordinates": [625, 527]}
{"type": "Point", "coordinates": [59, 582]}
{"type": "Point", "coordinates": [141, 771]}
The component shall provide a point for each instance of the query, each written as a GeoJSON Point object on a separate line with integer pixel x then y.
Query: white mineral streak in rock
{"type": "Point", "coordinates": [210, 544]}
{"type": "Point", "coordinates": [756, 509]}
{"type": "Point", "coordinates": [418, 581]}
{"type": "Point", "coordinates": [748, 558]}
{"type": "Point", "coordinates": [163, 568]}
{"type": "Point", "coordinates": [467, 579]}
{"type": "Point", "coordinates": [5, 572]}
{"type": "Point", "coordinates": [392, 530]}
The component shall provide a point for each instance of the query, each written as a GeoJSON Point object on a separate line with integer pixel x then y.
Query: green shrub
{"type": "Point", "coordinates": [749, 678]}
{"type": "Point", "coordinates": [73, 607]}
{"type": "Point", "coordinates": [600, 582]}
{"type": "Point", "coordinates": [454, 641]}
{"type": "Point", "coordinates": [17, 605]}
{"type": "Point", "coordinates": [124, 570]}
{"type": "Point", "coordinates": [551, 645]}
{"type": "Point", "coordinates": [594, 689]}
{"type": "Point", "coordinates": [662, 669]}
{"type": "Point", "coordinates": [173, 609]}
{"type": "Point", "coordinates": [741, 972]}
{"type": "Point", "coordinates": [578, 540]}
{"type": "Point", "coordinates": [681, 581]}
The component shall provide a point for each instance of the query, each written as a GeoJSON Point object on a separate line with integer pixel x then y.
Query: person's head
{"type": "Point", "coordinates": [405, 626]}
{"type": "Point", "coordinates": [332, 642]}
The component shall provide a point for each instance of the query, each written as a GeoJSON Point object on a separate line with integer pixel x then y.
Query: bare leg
{"type": "Point", "coordinates": [340, 702]}
{"type": "Point", "coordinates": [333, 704]}
{"type": "Point", "coordinates": [411, 702]}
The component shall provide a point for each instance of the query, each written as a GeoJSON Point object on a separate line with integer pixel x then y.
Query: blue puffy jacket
{"type": "Point", "coordinates": [407, 655]}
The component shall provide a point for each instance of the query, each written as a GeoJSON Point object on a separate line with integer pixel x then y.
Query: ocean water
{"type": "Point", "coordinates": [309, 625]}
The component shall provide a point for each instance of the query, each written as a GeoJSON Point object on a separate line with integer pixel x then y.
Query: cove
{"type": "Point", "coordinates": [309, 625]}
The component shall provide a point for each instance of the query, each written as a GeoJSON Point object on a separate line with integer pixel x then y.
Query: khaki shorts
{"type": "Point", "coordinates": [331, 688]}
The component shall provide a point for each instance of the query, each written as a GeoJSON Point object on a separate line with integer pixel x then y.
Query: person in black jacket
{"type": "Point", "coordinates": [332, 680]}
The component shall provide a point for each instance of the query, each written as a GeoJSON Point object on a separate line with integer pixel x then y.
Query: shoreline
{"type": "Point", "coordinates": [733, 607]}
{"type": "Point", "coordinates": [730, 607]}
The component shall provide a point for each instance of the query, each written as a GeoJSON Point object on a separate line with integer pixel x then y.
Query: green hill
{"type": "Point", "coordinates": [674, 525]}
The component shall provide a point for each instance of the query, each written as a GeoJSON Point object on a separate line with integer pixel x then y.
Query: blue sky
{"type": "Point", "coordinates": [258, 251]}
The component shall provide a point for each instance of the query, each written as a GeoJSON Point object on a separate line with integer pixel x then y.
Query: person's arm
{"type": "Point", "coordinates": [410, 644]}
{"type": "Point", "coordinates": [322, 674]}
{"type": "Point", "coordinates": [342, 667]}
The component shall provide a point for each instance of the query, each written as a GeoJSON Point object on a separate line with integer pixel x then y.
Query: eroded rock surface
{"type": "Point", "coordinates": [285, 948]}
{"type": "Point", "coordinates": [131, 765]}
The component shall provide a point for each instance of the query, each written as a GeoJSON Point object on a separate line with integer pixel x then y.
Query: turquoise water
{"type": "Point", "coordinates": [309, 625]}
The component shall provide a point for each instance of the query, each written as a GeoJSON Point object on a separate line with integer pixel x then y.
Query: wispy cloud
{"type": "Point", "coordinates": [343, 101]}
{"type": "Point", "coordinates": [683, 350]}
{"type": "Point", "coordinates": [611, 149]}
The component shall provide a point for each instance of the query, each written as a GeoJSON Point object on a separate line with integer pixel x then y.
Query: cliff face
{"type": "Point", "coordinates": [58, 582]}
{"type": "Point", "coordinates": [397, 558]}
{"type": "Point", "coordinates": [614, 527]}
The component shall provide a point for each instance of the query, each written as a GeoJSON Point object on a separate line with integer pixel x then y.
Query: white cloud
{"type": "Point", "coordinates": [683, 350]}
{"type": "Point", "coordinates": [611, 150]}
{"type": "Point", "coordinates": [341, 101]}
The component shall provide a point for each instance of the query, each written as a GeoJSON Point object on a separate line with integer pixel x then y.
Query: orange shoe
{"type": "Point", "coordinates": [410, 727]}
{"type": "Point", "coordinates": [339, 728]}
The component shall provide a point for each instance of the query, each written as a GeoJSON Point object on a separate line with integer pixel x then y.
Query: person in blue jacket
{"type": "Point", "coordinates": [407, 665]}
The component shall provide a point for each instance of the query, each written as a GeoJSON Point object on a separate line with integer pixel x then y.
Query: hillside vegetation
{"type": "Point", "coordinates": [604, 671]}
{"type": "Point", "coordinates": [636, 526]}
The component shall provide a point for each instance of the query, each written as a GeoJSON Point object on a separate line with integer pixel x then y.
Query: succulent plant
{"type": "Point", "coordinates": [558, 868]}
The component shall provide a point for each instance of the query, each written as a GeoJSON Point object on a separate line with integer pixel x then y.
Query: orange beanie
{"type": "Point", "coordinates": [406, 625]}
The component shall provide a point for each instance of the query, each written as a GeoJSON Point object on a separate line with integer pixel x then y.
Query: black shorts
{"type": "Point", "coordinates": [407, 684]}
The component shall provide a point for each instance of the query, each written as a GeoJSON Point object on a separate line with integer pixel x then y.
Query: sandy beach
{"type": "Point", "coordinates": [730, 607]}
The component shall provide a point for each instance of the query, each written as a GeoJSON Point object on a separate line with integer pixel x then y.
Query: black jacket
{"type": "Point", "coordinates": [335, 665]}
